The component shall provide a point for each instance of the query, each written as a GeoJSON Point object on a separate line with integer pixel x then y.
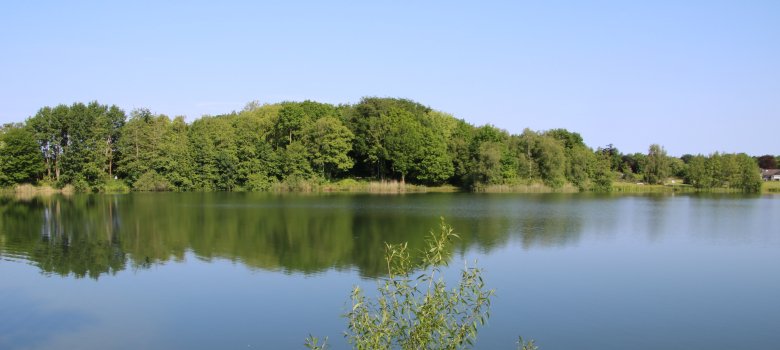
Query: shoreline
{"type": "Point", "coordinates": [396, 187]}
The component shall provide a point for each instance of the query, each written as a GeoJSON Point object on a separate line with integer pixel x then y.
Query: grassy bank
{"type": "Point", "coordinates": [524, 188]}
{"type": "Point", "coordinates": [770, 187]}
{"type": "Point", "coordinates": [27, 191]}
{"type": "Point", "coordinates": [638, 188]}
{"type": "Point", "coordinates": [355, 186]}
{"type": "Point", "coordinates": [396, 187]}
{"type": "Point", "coordinates": [30, 191]}
{"type": "Point", "coordinates": [630, 187]}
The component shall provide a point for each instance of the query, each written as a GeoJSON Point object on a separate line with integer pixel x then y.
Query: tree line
{"type": "Point", "coordinates": [94, 147]}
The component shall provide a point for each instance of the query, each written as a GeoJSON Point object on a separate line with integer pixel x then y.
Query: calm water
{"type": "Point", "coordinates": [240, 271]}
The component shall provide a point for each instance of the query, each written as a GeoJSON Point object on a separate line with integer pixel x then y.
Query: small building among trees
{"type": "Point", "coordinates": [770, 174]}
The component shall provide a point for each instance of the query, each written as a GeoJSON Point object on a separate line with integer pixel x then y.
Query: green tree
{"type": "Point", "coordinates": [602, 173]}
{"type": "Point", "coordinates": [713, 169]}
{"type": "Point", "coordinates": [435, 165]}
{"type": "Point", "coordinates": [176, 163]}
{"type": "Point", "coordinates": [578, 156]}
{"type": "Point", "coordinates": [614, 155]}
{"type": "Point", "coordinates": [78, 142]}
{"type": "Point", "coordinates": [139, 144]}
{"type": "Point", "coordinates": [151, 181]}
{"type": "Point", "coordinates": [580, 159]}
{"type": "Point", "coordinates": [155, 144]}
{"type": "Point", "coordinates": [570, 140]}
{"type": "Point", "coordinates": [329, 142]}
{"type": "Point", "coordinates": [749, 174]}
{"type": "Point", "coordinates": [488, 168]}
{"type": "Point", "coordinates": [49, 127]}
{"type": "Point", "coordinates": [551, 161]}
{"type": "Point", "coordinates": [214, 153]}
{"type": "Point", "coordinates": [295, 162]}
{"type": "Point", "coordinates": [458, 149]}
{"type": "Point", "coordinates": [112, 121]}
{"type": "Point", "coordinates": [404, 142]}
{"type": "Point", "coordinates": [92, 130]}
{"type": "Point", "coordinates": [634, 163]}
{"type": "Point", "coordinates": [729, 175]}
{"type": "Point", "coordinates": [20, 156]}
{"type": "Point", "coordinates": [525, 146]}
{"type": "Point", "coordinates": [677, 167]}
{"type": "Point", "coordinates": [698, 174]}
{"type": "Point", "coordinates": [289, 123]}
{"type": "Point", "coordinates": [493, 163]}
{"type": "Point", "coordinates": [656, 168]}
{"type": "Point", "coordinates": [384, 129]}
{"type": "Point", "coordinates": [520, 161]}
{"type": "Point", "coordinates": [256, 158]}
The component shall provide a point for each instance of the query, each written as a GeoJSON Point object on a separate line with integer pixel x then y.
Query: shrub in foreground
{"type": "Point", "coordinates": [413, 308]}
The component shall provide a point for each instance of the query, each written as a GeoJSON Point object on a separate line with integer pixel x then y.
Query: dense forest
{"type": "Point", "coordinates": [290, 145]}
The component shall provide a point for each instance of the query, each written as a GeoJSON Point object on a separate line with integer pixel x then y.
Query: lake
{"type": "Point", "coordinates": [239, 270]}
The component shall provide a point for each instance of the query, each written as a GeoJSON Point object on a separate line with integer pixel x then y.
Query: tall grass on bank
{"type": "Point", "coordinates": [113, 186]}
{"type": "Point", "coordinates": [638, 188]}
{"type": "Point", "coordinates": [28, 191]}
{"type": "Point", "coordinates": [355, 186]}
{"type": "Point", "coordinates": [392, 187]}
{"type": "Point", "coordinates": [770, 187]}
{"type": "Point", "coordinates": [631, 187]}
{"type": "Point", "coordinates": [524, 188]}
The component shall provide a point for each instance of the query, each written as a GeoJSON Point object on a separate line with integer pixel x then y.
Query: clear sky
{"type": "Point", "coordinates": [693, 76]}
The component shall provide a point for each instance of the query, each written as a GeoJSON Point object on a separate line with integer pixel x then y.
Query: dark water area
{"type": "Point", "coordinates": [239, 270]}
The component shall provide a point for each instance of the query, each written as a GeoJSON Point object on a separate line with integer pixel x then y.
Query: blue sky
{"type": "Point", "coordinates": [693, 76]}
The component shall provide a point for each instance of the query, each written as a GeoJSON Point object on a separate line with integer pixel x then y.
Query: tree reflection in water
{"type": "Point", "coordinates": [97, 235]}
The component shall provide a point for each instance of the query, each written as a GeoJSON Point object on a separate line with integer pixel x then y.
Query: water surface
{"type": "Point", "coordinates": [220, 270]}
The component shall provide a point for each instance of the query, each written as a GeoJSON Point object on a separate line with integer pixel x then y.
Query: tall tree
{"type": "Point", "coordinates": [698, 174]}
{"type": "Point", "coordinates": [551, 161]}
{"type": "Point", "coordinates": [289, 124]}
{"type": "Point", "coordinates": [602, 173]}
{"type": "Point", "coordinates": [729, 171]}
{"type": "Point", "coordinates": [579, 162]}
{"type": "Point", "coordinates": [614, 155]}
{"type": "Point", "coordinates": [175, 153]}
{"type": "Point", "coordinates": [491, 157]}
{"type": "Point", "coordinates": [404, 141]}
{"type": "Point", "coordinates": [569, 139]}
{"type": "Point", "coordinates": [488, 168]}
{"type": "Point", "coordinates": [257, 161]}
{"type": "Point", "coordinates": [525, 148]}
{"type": "Point", "coordinates": [749, 174]}
{"type": "Point", "coordinates": [78, 142]}
{"type": "Point", "coordinates": [296, 161]}
{"type": "Point", "coordinates": [114, 122]}
{"type": "Point", "coordinates": [657, 165]}
{"type": "Point", "coordinates": [458, 148]}
{"type": "Point", "coordinates": [215, 153]}
{"type": "Point", "coordinates": [767, 161]}
{"type": "Point", "coordinates": [373, 121]}
{"type": "Point", "coordinates": [20, 156]}
{"type": "Point", "coordinates": [50, 128]}
{"type": "Point", "coordinates": [435, 165]}
{"type": "Point", "coordinates": [140, 144]}
{"type": "Point", "coordinates": [329, 143]}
